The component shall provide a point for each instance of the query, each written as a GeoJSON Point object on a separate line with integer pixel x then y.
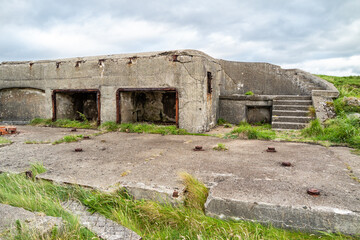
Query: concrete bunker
{"type": "Point", "coordinates": [154, 105]}
{"type": "Point", "coordinates": [21, 105]}
{"type": "Point", "coordinates": [69, 103]}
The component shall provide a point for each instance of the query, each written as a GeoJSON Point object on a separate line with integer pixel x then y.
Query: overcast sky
{"type": "Point", "coordinates": [319, 36]}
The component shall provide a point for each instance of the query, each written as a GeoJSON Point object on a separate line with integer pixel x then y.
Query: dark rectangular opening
{"type": "Point", "coordinates": [209, 78]}
{"type": "Point", "coordinates": [69, 103]}
{"type": "Point", "coordinates": [258, 114]}
{"type": "Point", "coordinates": [154, 105]}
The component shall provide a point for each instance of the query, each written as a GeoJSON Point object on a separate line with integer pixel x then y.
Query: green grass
{"type": "Point", "coordinates": [220, 147]}
{"type": "Point", "coordinates": [146, 128]}
{"type": "Point", "coordinates": [41, 196]}
{"type": "Point", "coordinates": [4, 140]}
{"type": "Point", "coordinates": [249, 93]}
{"type": "Point", "coordinates": [245, 130]}
{"type": "Point", "coordinates": [149, 219]}
{"type": "Point", "coordinates": [65, 123]}
{"type": "Point", "coordinates": [348, 87]}
{"type": "Point", "coordinates": [69, 139]}
{"type": "Point", "coordinates": [342, 129]}
{"type": "Point", "coordinates": [37, 168]}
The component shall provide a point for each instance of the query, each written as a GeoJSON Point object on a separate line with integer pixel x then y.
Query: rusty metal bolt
{"type": "Point", "coordinates": [175, 194]}
{"type": "Point", "coordinates": [78, 150]}
{"type": "Point", "coordinates": [29, 174]}
{"type": "Point", "coordinates": [286, 164]}
{"type": "Point", "coordinates": [313, 191]}
{"type": "Point", "coordinates": [73, 130]}
{"type": "Point", "coordinates": [86, 137]}
{"type": "Point", "coordinates": [271, 149]}
{"type": "Point", "coordinates": [198, 148]}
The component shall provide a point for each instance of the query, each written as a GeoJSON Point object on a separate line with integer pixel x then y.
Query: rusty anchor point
{"type": "Point", "coordinates": [286, 164]}
{"type": "Point", "coordinates": [86, 137]}
{"type": "Point", "coordinates": [313, 192]}
{"type": "Point", "coordinates": [198, 148]}
{"type": "Point", "coordinates": [73, 130]}
{"type": "Point", "coordinates": [78, 150]}
{"type": "Point", "coordinates": [29, 174]}
{"type": "Point", "coordinates": [175, 194]}
{"type": "Point", "coordinates": [270, 149]}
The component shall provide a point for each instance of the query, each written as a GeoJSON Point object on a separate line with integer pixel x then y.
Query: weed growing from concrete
{"type": "Point", "coordinates": [195, 192]}
{"type": "Point", "coordinates": [37, 168]}
{"type": "Point", "coordinates": [68, 139]}
{"type": "Point", "coordinates": [249, 93]}
{"type": "Point", "coordinates": [4, 140]}
{"type": "Point", "coordinates": [220, 147]}
{"type": "Point", "coordinates": [352, 174]}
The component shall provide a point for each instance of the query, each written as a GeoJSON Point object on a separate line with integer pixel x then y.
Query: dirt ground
{"type": "Point", "coordinates": [245, 172]}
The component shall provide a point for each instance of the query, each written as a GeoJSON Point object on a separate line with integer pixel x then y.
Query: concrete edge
{"type": "Point", "coordinates": [300, 218]}
{"type": "Point", "coordinates": [161, 194]}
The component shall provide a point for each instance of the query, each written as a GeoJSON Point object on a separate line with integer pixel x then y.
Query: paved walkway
{"type": "Point", "coordinates": [98, 224]}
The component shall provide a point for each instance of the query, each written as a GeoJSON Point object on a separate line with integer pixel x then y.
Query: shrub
{"type": "Point", "coordinates": [314, 129]}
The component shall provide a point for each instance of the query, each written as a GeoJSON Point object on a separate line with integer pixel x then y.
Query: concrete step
{"type": "Point", "coordinates": [292, 97]}
{"type": "Point", "coordinates": [292, 119]}
{"type": "Point", "coordinates": [315, 88]}
{"type": "Point", "coordinates": [290, 113]}
{"type": "Point", "coordinates": [291, 107]}
{"type": "Point", "coordinates": [287, 125]}
{"type": "Point", "coordinates": [292, 102]}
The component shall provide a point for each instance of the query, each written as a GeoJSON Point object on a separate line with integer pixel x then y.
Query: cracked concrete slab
{"type": "Point", "coordinates": [246, 182]}
{"type": "Point", "coordinates": [37, 222]}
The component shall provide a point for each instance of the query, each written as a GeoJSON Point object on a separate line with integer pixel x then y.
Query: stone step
{"type": "Point", "coordinates": [315, 88]}
{"type": "Point", "coordinates": [287, 125]}
{"type": "Point", "coordinates": [292, 119]}
{"type": "Point", "coordinates": [290, 113]}
{"type": "Point", "coordinates": [292, 97]}
{"type": "Point", "coordinates": [292, 102]}
{"type": "Point", "coordinates": [291, 107]}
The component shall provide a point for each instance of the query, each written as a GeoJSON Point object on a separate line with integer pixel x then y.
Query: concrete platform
{"type": "Point", "coordinates": [246, 182]}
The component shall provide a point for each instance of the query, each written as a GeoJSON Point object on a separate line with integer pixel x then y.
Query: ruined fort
{"type": "Point", "coordinates": [184, 87]}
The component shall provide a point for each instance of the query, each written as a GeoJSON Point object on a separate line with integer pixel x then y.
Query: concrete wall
{"type": "Point", "coordinates": [260, 78]}
{"type": "Point", "coordinates": [184, 70]}
{"type": "Point", "coordinates": [21, 104]}
{"type": "Point", "coordinates": [236, 109]}
{"type": "Point", "coordinates": [188, 71]}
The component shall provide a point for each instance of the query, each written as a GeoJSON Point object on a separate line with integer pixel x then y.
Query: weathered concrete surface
{"type": "Point", "coordinates": [36, 222]}
{"type": "Point", "coordinates": [244, 174]}
{"type": "Point", "coordinates": [21, 105]}
{"type": "Point", "coordinates": [185, 70]}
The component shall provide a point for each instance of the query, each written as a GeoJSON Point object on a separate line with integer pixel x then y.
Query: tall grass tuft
{"type": "Point", "coordinates": [37, 168]}
{"type": "Point", "coordinates": [314, 129]}
{"type": "Point", "coordinates": [196, 192]}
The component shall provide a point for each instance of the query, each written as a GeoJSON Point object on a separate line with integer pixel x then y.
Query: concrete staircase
{"type": "Point", "coordinates": [290, 112]}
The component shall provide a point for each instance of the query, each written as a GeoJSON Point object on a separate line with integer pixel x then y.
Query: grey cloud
{"type": "Point", "coordinates": [277, 31]}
